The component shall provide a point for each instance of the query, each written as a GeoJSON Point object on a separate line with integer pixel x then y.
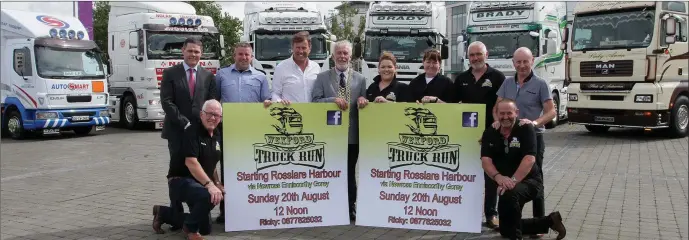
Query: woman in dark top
{"type": "Point", "coordinates": [385, 87]}
{"type": "Point", "coordinates": [431, 86]}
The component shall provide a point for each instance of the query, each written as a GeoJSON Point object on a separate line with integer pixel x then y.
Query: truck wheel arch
{"type": "Point", "coordinates": [681, 90]}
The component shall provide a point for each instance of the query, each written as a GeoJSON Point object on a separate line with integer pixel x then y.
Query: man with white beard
{"type": "Point", "coordinates": [346, 88]}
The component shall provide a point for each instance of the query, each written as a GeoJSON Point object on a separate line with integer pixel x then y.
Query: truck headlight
{"type": "Point", "coordinates": [573, 97]}
{"type": "Point", "coordinates": [104, 113]}
{"type": "Point", "coordinates": [46, 115]}
{"type": "Point", "coordinates": [154, 102]}
{"type": "Point", "coordinates": [641, 98]}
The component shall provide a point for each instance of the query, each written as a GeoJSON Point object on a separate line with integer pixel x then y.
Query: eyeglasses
{"type": "Point", "coordinates": [212, 114]}
{"type": "Point", "coordinates": [507, 148]}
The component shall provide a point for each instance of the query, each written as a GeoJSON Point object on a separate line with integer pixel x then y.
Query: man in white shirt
{"type": "Point", "coordinates": [294, 78]}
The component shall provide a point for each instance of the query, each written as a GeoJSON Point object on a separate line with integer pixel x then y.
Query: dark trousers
{"type": "Point", "coordinates": [510, 209]}
{"type": "Point", "coordinates": [538, 203]}
{"type": "Point", "coordinates": [352, 157]}
{"type": "Point", "coordinates": [197, 198]}
{"type": "Point", "coordinates": [222, 170]}
{"type": "Point", "coordinates": [490, 200]}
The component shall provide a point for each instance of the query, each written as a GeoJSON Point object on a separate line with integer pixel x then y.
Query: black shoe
{"type": "Point", "coordinates": [558, 226]}
{"type": "Point", "coordinates": [220, 219]}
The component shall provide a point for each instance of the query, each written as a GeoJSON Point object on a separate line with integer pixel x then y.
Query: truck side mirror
{"type": "Point", "coordinates": [222, 41]}
{"type": "Point", "coordinates": [444, 51]}
{"type": "Point", "coordinates": [134, 43]}
{"type": "Point", "coordinates": [357, 49]}
{"type": "Point", "coordinates": [565, 35]}
{"type": "Point", "coordinates": [550, 47]}
{"type": "Point", "coordinates": [222, 52]}
{"type": "Point", "coordinates": [670, 26]}
{"type": "Point", "coordinates": [22, 62]}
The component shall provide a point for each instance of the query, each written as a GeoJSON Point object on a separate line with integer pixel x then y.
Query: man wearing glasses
{"type": "Point", "coordinates": [508, 157]}
{"type": "Point", "coordinates": [193, 177]}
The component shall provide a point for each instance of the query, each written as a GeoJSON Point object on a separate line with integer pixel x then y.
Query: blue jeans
{"type": "Point", "coordinates": [198, 199]}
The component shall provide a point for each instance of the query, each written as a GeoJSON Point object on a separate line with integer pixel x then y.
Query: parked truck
{"type": "Point", "coordinates": [627, 66]}
{"type": "Point", "coordinates": [145, 38]}
{"type": "Point", "coordinates": [269, 27]}
{"type": "Point", "coordinates": [406, 29]}
{"type": "Point", "coordinates": [505, 26]}
{"type": "Point", "coordinates": [53, 76]}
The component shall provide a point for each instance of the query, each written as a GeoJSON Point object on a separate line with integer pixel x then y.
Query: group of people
{"type": "Point", "coordinates": [512, 146]}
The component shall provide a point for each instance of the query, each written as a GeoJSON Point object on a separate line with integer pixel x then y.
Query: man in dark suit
{"type": "Point", "coordinates": [184, 89]}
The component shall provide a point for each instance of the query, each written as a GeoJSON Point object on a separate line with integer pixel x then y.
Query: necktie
{"type": "Point", "coordinates": [342, 81]}
{"type": "Point", "coordinates": [192, 81]}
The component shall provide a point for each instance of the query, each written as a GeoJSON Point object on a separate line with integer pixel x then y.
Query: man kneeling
{"type": "Point", "coordinates": [508, 157]}
{"type": "Point", "coordinates": [189, 177]}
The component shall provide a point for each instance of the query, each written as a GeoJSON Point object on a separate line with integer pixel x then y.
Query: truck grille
{"type": "Point", "coordinates": [618, 68]}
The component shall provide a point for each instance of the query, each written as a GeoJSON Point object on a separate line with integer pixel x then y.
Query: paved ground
{"type": "Point", "coordinates": [625, 185]}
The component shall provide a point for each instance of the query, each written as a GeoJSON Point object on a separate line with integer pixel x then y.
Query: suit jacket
{"type": "Point", "coordinates": [181, 108]}
{"type": "Point", "coordinates": [325, 89]}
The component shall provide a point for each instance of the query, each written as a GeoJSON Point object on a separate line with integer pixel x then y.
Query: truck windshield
{"type": "Point", "coordinates": [501, 45]}
{"type": "Point", "coordinates": [274, 47]}
{"type": "Point", "coordinates": [613, 30]}
{"type": "Point", "coordinates": [407, 49]}
{"type": "Point", "coordinates": [62, 63]}
{"type": "Point", "coordinates": [168, 45]}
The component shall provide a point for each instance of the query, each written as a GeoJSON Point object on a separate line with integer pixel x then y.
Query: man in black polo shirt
{"type": "Point", "coordinates": [480, 85]}
{"type": "Point", "coordinates": [193, 177]}
{"type": "Point", "coordinates": [508, 157]}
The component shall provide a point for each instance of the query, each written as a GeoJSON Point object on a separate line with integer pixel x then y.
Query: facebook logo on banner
{"type": "Point", "coordinates": [470, 119]}
{"type": "Point", "coordinates": [334, 118]}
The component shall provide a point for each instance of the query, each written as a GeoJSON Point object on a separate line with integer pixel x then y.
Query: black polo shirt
{"type": "Point", "coordinates": [482, 91]}
{"type": "Point", "coordinates": [507, 153]}
{"type": "Point", "coordinates": [399, 90]}
{"type": "Point", "coordinates": [440, 87]}
{"type": "Point", "coordinates": [200, 144]}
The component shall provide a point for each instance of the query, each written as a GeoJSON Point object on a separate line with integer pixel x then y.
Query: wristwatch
{"type": "Point", "coordinates": [514, 178]}
{"type": "Point", "coordinates": [206, 184]}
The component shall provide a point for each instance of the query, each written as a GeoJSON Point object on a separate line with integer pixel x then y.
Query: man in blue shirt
{"type": "Point", "coordinates": [240, 83]}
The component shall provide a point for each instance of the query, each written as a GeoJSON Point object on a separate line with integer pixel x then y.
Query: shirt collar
{"type": "Point", "coordinates": [233, 68]}
{"type": "Point", "coordinates": [186, 67]}
{"type": "Point", "coordinates": [528, 78]}
{"type": "Point", "coordinates": [489, 69]}
{"type": "Point", "coordinates": [338, 71]}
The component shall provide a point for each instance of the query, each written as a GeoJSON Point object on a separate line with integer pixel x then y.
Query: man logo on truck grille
{"type": "Point", "coordinates": [290, 145]}
{"type": "Point", "coordinates": [424, 146]}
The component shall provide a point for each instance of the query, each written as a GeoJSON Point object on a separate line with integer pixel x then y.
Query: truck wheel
{"type": "Point", "coordinates": [129, 117]}
{"type": "Point", "coordinates": [553, 123]}
{"type": "Point", "coordinates": [597, 129]}
{"type": "Point", "coordinates": [679, 118]}
{"type": "Point", "coordinates": [83, 131]}
{"type": "Point", "coordinates": [15, 125]}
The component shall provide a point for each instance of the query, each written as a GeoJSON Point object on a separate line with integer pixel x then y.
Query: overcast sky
{"type": "Point", "coordinates": [235, 9]}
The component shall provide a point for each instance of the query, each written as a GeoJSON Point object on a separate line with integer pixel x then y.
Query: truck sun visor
{"type": "Point", "coordinates": [65, 43]}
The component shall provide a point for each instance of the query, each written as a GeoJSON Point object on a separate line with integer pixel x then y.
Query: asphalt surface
{"type": "Point", "coordinates": [625, 184]}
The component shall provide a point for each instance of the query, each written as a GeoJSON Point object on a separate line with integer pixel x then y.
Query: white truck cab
{"type": "Point", "coordinates": [406, 29]}
{"type": "Point", "coordinates": [269, 27]}
{"type": "Point", "coordinates": [628, 66]}
{"type": "Point", "coordinates": [145, 38]}
{"type": "Point", "coordinates": [505, 26]}
{"type": "Point", "coordinates": [53, 76]}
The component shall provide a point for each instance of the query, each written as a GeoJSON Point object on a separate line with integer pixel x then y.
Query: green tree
{"type": "Point", "coordinates": [100, 27]}
{"type": "Point", "coordinates": [229, 26]}
{"type": "Point", "coordinates": [342, 24]}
